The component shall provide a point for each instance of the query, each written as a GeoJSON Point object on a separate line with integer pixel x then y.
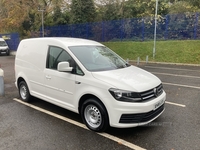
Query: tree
{"type": "Point", "coordinates": [111, 12]}
{"type": "Point", "coordinates": [194, 3]}
{"type": "Point", "coordinates": [20, 16]}
{"type": "Point", "coordinates": [13, 13]}
{"type": "Point", "coordinates": [83, 11]}
{"type": "Point", "coordinates": [23, 16]}
{"type": "Point", "coordinates": [144, 8]}
{"type": "Point", "coordinates": [180, 7]}
{"type": "Point", "coordinates": [59, 17]}
{"type": "Point", "coordinates": [117, 9]}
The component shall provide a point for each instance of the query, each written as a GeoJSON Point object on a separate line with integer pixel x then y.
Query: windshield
{"type": "Point", "coordinates": [3, 43]}
{"type": "Point", "coordinates": [98, 58]}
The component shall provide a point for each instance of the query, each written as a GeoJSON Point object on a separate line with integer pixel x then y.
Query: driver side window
{"type": "Point", "coordinates": [56, 55]}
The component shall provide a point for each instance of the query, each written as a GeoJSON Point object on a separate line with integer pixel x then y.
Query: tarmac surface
{"type": "Point", "coordinates": [43, 126]}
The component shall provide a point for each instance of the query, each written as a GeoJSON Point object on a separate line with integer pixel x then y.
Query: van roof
{"type": "Point", "coordinates": [67, 41]}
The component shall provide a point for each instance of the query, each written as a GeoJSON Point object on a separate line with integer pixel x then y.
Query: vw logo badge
{"type": "Point", "coordinates": [155, 92]}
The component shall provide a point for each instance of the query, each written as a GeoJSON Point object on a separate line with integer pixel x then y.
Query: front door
{"type": "Point", "coordinates": [60, 86]}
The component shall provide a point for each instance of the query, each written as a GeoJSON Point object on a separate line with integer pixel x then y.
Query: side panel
{"type": "Point", "coordinates": [29, 64]}
{"type": "Point", "coordinates": [60, 87]}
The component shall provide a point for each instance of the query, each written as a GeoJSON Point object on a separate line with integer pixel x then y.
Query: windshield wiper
{"type": "Point", "coordinates": [123, 66]}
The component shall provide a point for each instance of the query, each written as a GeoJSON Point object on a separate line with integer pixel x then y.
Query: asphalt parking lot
{"type": "Point", "coordinates": [43, 126]}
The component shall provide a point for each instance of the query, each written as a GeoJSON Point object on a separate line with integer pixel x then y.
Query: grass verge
{"type": "Point", "coordinates": [187, 51]}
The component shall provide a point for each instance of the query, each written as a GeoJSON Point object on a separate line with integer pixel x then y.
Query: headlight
{"type": "Point", "coordinates": [126, 96]}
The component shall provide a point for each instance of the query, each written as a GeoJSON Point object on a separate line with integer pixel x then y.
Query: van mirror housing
{"type": "Point", "coordinates": [64, 67]}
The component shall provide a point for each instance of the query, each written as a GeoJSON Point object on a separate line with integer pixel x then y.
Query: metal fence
{"type": "Point", "coordinates": [169, 27]}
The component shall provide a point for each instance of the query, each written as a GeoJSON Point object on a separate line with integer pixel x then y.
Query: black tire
{"type": "Point", "coordinates": [24, 92]}
{"type": "Point", "coordinates": [8, 52]}
{"type": "Point", "coordinates": [94, 115]}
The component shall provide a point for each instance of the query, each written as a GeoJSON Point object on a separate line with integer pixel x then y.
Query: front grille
{"type": "Point", "coordinates": [142, 117]}
{"type": "Point", "coordinates": [153, 93]}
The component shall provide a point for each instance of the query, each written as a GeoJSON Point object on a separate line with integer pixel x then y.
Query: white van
{"type": "Point", "coordinates": [88, 78]}
{"type": "Point", "coordinates": [4, 49]}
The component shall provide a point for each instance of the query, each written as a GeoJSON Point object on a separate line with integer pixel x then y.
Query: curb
{"type": "Point", "coordinates": [13, 53]}
{"type": "Point", "coordinates": [178, 64]}
{"type": "Point", "coordinates": [163, 63]}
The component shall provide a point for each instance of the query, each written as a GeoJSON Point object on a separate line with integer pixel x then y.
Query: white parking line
{"type": "Point", "coordinates": [176, 75]}
{"type": "Point", "coordinates": [182, 85]}
{"type": "Point", "coordinates": [166, 68]}
{"type": "Point", "coordinates": [111, 137]}
{"type": "Point", "coordinates": [176, 104]}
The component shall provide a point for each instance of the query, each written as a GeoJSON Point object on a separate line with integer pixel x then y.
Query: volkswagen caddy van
{"type": "Point", "coordinates": [88, 78]}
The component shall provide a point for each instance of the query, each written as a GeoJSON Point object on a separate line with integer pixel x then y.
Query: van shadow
{"type": "Point", "coordinates": [55, 109]}
{"type": "Point", "coordinates": [123, 133]}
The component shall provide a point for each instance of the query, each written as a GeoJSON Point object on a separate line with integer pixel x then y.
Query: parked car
{"type": "Point", "coordinates": [4, 49]}
{"type": "Point", "coordinates": [88, 78]}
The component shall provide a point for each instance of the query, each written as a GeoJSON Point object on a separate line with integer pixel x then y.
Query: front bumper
{"type": "Point", "coordinates": [4, 51]}
{"type": "Point", "coordinates": [124, 114]}
{"type": "Point", "coordinates": [141, 117]}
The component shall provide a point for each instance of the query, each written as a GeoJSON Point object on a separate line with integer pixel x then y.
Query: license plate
{"type": "Point", "coordinates": [159, 104]}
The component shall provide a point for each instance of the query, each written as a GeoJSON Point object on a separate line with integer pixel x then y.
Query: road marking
{"type": "Point", "coordinates": [121, 141]}
{"type": "Point", "coordinates": [176, 104]}
{"type": "Point", "coordinates": [182, 85]}
{"type": "Point", "coordinates": [176, 75]}
{"type": "Point", "coordinates": [172, 68]}
{"type": "Point", "coordinates": [111, 137]}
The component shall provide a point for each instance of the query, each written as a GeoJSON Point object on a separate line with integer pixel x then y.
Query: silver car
{"type": "Point", "coordinates": [4, 49]}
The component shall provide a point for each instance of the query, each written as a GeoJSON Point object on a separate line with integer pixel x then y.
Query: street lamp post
{"type": "Point", "coordinates": [156, 17]}
{"type": "Point", "coordinates": [42, 10]}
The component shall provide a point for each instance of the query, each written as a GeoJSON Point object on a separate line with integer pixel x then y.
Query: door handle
{"type": "Point", "coordinates": [77, 82]}
{"type": "Point", "coordinates": [48, 77]}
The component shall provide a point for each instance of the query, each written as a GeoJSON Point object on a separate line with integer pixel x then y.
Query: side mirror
{"type": "Point", "coordinates": [64, 67]}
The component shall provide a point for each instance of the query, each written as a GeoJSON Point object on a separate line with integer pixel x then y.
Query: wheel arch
{"type": "Point", "coordinates": [20, 76]}
{"type": "Point", "coordinates": [89, 96]}
{"type": "Point", "coordinates": [20, 79]}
